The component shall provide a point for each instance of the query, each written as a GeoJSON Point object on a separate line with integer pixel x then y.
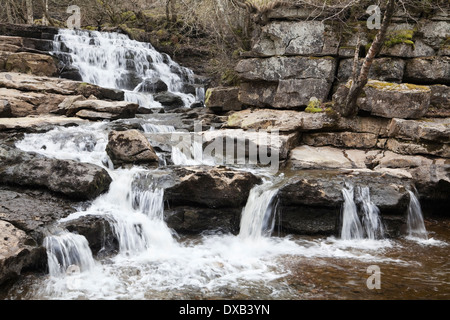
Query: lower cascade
{"type": "Point", "coordinates": [258, 215]}
{"type": "Point", "coordinates": [354, 227]}
{"type": "Point", "coordinates": [414, 222]}
{"type": "Point", "coordinates": [66, 250]}
{"type": "Point", "coordinates": [141, 201]}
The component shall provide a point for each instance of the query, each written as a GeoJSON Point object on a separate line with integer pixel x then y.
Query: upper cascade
{"type": "Point", "coordinates": [113, 60]}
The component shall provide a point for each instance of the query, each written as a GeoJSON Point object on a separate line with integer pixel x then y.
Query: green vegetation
{"type": "Point", "coordinates": [400, 36]}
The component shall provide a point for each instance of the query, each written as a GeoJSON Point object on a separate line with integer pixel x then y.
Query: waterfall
{"type": "Point", "coordinates": [113, 60]}
{"type": "Point", "coordinates": [67, 251]}
{"type": "Point", "coordinates": [258, 218]}
{"type": "Point", "coordinates": [414, 221]}
{"type": "Point", "coordinates": [371, 226]}
{"type": "Point", "coordinates": [351, 226]}
{"type": "Point", "coordinates": [157, 128]}
{"type": "Point", "coordinates": [371, 220]}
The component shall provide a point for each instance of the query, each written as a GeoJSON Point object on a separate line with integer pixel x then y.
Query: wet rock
{"type": "Point", "coordinates": [130, 147]}
{"type": "Point", "coordinates": [169, 100]}
{"type": "Point", "coordinates": [323, 188]}
{"type": "Point", "coordinates": [32, 210]}
{"type": "Point", "coordinates": [195, 220]}
{"type": "Point", "coordinates": [222, 99]}
{"type": "Point", "coordinates": [18, 252]}
{"type": "Point", "coordinates": [31, 63]}
{"type": "Point", "coordinates": [76, 180]}
{"type": "Point", "coordinates": [212, 187]}
{"type": "Point", "coordinates": [307, 220]}
{"type": "Point", "coordinates": [153, 86]}
{"type": "Point", "coordinates": [98, 231]}
{"type": "Point", "coordinates": [282, 120]}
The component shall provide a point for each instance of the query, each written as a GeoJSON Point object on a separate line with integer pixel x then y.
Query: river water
{"type": "Point", "coordinates": [154, 262]}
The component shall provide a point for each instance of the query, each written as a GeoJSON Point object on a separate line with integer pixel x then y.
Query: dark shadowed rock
{"type": "Point", "coordinates": [212, 187]}
{"type": "Point", "coordinates": [76, 180]}
{"type": "Point", "coordinates": [98, 231]}
{"type": "Point", "coordinates": [169, 100]}
{"type": "Point", "coordinates": [323, 188]}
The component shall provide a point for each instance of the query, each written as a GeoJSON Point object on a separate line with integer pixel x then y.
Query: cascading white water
{"type": "Point", "coordinates": [258, 217]}
{"type": "Point", "coordinates": [64, 250]}
{"type": "Point", "coordinates": [113, 60]}
{"type": "Point", "coordinates": [157, 128]}
{"type": "Point", "coordinates": [371, 221]}
{"type": "Point", "coordinates": [414, 221]}
{"type": "Point", "coordinates": [371, 227]}
{"type": "Point", "coordinates": [351, 226]}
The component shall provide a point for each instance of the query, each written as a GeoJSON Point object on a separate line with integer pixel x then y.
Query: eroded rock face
{"type": "Point", "coordinates": [390, 100]}
{"type": "Point", "coordinates": [98, 231]}
{"type": "Point", "coordinates": [285, 82]}
{"type": "Point", "coordinates": [130, 147]}
{"type": "Point", "coordinates": [296, 38]}
{"type": "Point", "coordinates": [323, 188]}
{"type": "Point", "coordinates": [17, 252]}
{"type": "Point", "coordinates": [97, 109]}
{"type": "Point", "coordinates": [284, 121]}
{"type": "Point", "coordinates": [217, 187]}
{"type": "Point", "coordinates": [223, 99]}
{"type": "Point", "coordinates": [76, 180]}
{"type": "Point", "coordinates": [283, 68]}
{"type": "Point", "coordinates": [31, 63]}
{"type": "Point", "coordinates": [22, 104]}
{"type": "Point", "coordinates": [428, 70]}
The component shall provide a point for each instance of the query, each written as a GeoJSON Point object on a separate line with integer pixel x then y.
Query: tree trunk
{"type": "Point", "coordinates": [29, 5]}
{"type": "Point", "coordinates": [350, 108]}
{"type": "Point", "coordinates": [45, 16]}
{"type": "Point", "coordinates": [8, 12]}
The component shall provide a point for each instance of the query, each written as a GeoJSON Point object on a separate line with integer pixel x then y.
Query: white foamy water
{"type": "Point", "coordinates": [113, 60]}
{"type": "Point", "coordinates": [414, 221]}
{"type": "Point", "coordinates": [152, 261]}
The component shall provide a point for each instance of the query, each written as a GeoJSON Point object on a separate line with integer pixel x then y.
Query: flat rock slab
{"type": "Point", "coordinates": [41, 84]}
{"type": "Point", "coordinates": [282, 120]}
{"type": "Point", "coordinates": [81, 181]}
{"type": "Point", "coordinates": [37, 124]}
{"type": "Point", "coordinates": [429, 129]}
{"type": "Point", "coordinates": [31, 210]}
{"type": "Point", "coordinates": [212, 187]}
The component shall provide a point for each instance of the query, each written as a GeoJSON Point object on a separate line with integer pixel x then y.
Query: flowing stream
{"type": "Point", "coordinates": [154, 262]}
